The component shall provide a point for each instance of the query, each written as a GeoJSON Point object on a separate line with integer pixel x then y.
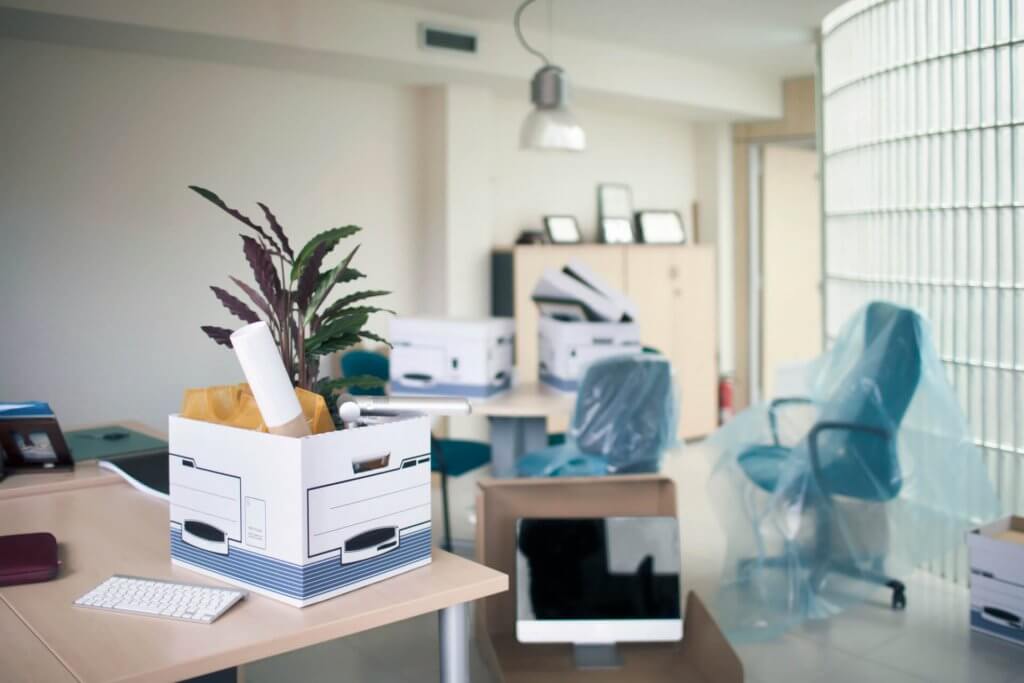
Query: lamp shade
{"type": "Point", "coordinates": [551, 125]}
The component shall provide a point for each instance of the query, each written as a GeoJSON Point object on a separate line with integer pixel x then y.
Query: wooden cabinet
{"type": "Point", "coordinates": [674, 289]}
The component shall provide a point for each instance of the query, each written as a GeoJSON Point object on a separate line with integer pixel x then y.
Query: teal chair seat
{"type": "Point", "coordinates": [461, 456]}
{"type": "Point", "coordinates": [763, 465]}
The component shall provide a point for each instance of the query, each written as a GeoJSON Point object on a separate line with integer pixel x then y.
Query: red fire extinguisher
{"type": "Point", "coordinates": [725, 399]}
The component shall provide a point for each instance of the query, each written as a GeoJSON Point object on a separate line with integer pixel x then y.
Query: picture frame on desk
{"type": "Point", "coordinates": [35, 443]}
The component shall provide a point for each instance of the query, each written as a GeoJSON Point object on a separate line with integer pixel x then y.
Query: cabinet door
{"type": "Point", "coordinates": [530, 262]}
{"type": "Point", "coordinates": [674, 289]}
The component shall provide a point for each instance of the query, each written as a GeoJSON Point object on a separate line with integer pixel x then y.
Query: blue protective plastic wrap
{"type": "Point", "coordinates": [624, 420]}
{"type": "Point", "coordinates": [826, 498]}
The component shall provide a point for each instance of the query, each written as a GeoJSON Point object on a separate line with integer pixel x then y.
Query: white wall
{"type": "Point", "coordinates": [105, 257]}
{"type": "Point", "coordinates": [651, 152]}
{"type": "Point", "coordinates": [111, 257]}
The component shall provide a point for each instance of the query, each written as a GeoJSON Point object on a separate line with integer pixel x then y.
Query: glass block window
{"type": "Point", "coordinates": [923, 167]}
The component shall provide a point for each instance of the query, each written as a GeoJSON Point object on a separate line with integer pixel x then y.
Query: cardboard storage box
{"type": "Point", "coordinates": [300, 520]}
{"type": "Point", "coordinates": [566, 348]}
{"type": "Point", "coordinates": [702, 656]}
{"type": "Point", "coordinates": [997, 579]}
{"type": "Point", "coordinates": [438, 357]}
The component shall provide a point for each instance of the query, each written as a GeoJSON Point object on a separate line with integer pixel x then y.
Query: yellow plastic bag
{"type": "Point", "coordinates": [234, 406]}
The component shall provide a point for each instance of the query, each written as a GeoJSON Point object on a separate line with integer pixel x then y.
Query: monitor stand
{"type": "Point", "coordinates": [596, 656]}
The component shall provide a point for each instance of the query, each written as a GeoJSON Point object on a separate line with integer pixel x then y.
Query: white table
{"type": "Point", "coordinates": [518, 420]}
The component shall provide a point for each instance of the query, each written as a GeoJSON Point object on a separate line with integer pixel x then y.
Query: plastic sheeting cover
{"type": "Point", "coordinates": [625, 419]}
{"type": "Point", "coordinates": [825, 499]}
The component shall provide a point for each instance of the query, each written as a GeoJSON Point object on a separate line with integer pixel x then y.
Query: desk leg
{"type": "Point", "coordinates": [511, 437]}
{"type": "Point", "coordinates": [455, 643]}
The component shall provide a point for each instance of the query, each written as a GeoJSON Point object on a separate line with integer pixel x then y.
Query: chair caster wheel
{"type": "Point", "coordinates": [899, 594]}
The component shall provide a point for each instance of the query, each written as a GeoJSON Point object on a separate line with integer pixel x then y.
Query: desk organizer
{"type": "Point", "coordinates": [300, 520]}
{"type": "Point", "coordinates": [566, 348]}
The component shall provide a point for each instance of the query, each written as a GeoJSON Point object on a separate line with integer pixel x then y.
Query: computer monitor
{"type": "Point", "coordinates": [596, 582]}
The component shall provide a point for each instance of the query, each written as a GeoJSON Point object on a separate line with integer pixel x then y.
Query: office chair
{"type": "Point", "coordinates": [624, 420]}
{"type": "Point", "coordinates": [852, 445]}
{"type": "Point", "coordinates": [450, 457]}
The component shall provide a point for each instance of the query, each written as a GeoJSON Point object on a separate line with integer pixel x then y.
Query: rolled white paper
{"type": "Point", "coordinates": [261, 362]}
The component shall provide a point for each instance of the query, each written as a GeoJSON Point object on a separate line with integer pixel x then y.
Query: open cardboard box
{"type": "Point", "coordinates": [703, 656]}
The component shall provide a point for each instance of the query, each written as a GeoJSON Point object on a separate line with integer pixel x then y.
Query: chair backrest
{"type": "Point", "coordinates": [361, 362]}
{"type": "Point", "coordinates": [876, 392]}
{"type": "Point", "coordinates": [626, 412]}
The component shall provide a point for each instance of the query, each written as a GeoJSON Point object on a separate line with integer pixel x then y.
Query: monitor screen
{"type": "Point", "coordinates": [607, 570]}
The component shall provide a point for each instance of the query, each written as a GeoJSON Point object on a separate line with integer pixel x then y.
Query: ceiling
{"type": "Point", "coordinates": [775, 37]}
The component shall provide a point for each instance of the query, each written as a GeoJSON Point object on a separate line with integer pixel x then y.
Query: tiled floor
{"type": "Point", "coordinates": [930, 641]}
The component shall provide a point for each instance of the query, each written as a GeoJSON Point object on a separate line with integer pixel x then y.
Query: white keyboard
{"type": "Point", "coordinates": [154, 598]}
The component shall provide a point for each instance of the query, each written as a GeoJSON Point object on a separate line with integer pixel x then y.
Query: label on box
{"type": "Point", "coordinates": [255, 522]}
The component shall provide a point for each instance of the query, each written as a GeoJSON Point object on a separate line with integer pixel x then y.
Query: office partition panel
{"type": "Point", "coordinates": [923, 162]}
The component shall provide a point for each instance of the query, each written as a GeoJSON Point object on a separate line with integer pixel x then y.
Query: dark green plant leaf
{"type": "Point", "coordinates": [329, 237]}
{"type": "Point", "coordinates": [325, 345]}
{"type": "Point", "coordinates": [310, 277]}
{"type": "Point", "coordinates": [348, 324]}
{"type": "Point", "coordinates": [234, 213]}
{"type": "Point", "coordinates": [375, 337]}
{"type": "Point", "coordinates": [278, 230]}
{"type": "Point", "coordinates": [339, 304]}
{"type": "Point", "coordinates": [369, 310]}
{"type": "Point", "coordinates": [255, 297]}
{"type": "Point", "coordinates": [220, 335]}
{"type": "Point", "coordinates": [264, 273]}
{"type": "Point", "coordinates": [325, 284]}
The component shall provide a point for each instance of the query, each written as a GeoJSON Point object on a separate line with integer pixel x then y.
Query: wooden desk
{"type": "Point", "coordinates": [114, 529]}
{"type": "Point", "coordinates": [85, 473]}
{"type": "Point", "coordinates": [518, 420]}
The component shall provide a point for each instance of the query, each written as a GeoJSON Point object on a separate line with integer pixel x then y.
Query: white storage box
{"type": "Point", "coordinates": [300, 520]}
{"type": "Point", "coordinates": [997, 579]}
{"type": "Point", "coordinates": [438, 357]}
{"type": "Point", "coordinates": [567, 348]}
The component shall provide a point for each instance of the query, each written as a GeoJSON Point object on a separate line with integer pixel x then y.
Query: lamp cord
{"type": "Point", "coordinates": [519, 33]}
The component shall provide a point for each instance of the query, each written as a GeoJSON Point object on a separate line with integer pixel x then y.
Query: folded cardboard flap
{"type": "Point", "coordinates": [704, 655]}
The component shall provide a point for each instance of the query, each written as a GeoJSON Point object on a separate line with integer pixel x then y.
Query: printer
{"type": "Point", "coordinates": [583, 319]}
{"type": "Point", "coordinates": [451, 357]}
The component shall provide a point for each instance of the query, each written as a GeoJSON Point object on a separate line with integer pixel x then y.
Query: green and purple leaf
{"type": "Point", "coordinates": [220, 335]}
{"type": "Point", "coordinates": [278, 230]}
{"type": "Point", "coordinates": [309, 277]}
{"type": "Point", "coordinates": [264, 273]}
{"type": "Point", "coordinates": [329, 237]}
{"type": "Point", "coordinates": [324, 286]}
{"type": "Point", "coordinates": [338, 304]}
{"type": "Point", "coordinates": [234, 213]}
{"type": "Point", "coordinates": [256, 298]}
{"type": "Point", "coordinates": [235, 306]}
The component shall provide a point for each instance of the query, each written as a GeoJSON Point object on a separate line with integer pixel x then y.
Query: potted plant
{"type": "Point", "coordinates": [293, 293]}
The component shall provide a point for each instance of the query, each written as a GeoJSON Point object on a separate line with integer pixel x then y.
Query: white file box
{"type": "Point", "coordinates": [439, 357]}
{"type": "Point", "coordinates": [300, 520]}
{"type": "Point", "coordinates": [996, 554]}
{"type": "Point", "coordinates": [567, 348]}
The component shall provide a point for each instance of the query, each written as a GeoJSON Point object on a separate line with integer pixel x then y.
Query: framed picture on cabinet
{"type": "Point", "coordinates": [660, 227]}
{"type": "Point", "coordinates": [615, 213]}
{"type": "Point", "coordinates": [562, 229]}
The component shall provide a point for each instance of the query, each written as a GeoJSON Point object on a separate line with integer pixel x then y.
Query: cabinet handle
{"type": "Point", "coordinates": [673, 272]}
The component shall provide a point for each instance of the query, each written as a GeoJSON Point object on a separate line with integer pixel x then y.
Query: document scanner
{"type": "Point", "coordinates": [577, 287]}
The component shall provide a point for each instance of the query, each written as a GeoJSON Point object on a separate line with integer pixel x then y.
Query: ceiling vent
{"type": "Point", "coordinates": [434, 37]}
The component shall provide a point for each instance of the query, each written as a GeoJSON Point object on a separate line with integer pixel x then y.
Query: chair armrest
{"type": "Point", "coordinates": [773, 421]}
{"type": "Point", "coordinates": [812, 441]}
